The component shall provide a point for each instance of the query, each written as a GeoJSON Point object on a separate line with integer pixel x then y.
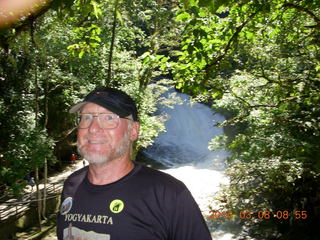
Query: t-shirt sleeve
{"type": "Point", "coordinates": [187, 220]}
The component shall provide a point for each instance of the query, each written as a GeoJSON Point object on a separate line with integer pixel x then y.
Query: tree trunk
{"type": "Point", "coordinates": [39, 204]}
{"type": "Point", "coordinates": [114, 26]}
{"type": "Point", "coordinates": [44, 203]}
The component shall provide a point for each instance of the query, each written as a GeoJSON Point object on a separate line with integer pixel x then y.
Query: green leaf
{"type": "Point", "coordinates": [119, 17]}
{"type": "Point", "coordinates": [81, 53]}
{"type": "Point", "coordinates": [145, 54]}
{"type": "Point", "coordinates": [183, 17]}
{"type": "Point", "coordinates": [96, 9]}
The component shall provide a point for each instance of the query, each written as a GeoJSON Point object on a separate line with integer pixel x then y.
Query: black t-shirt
{"type": "Point", "coordinates": [146, 204]}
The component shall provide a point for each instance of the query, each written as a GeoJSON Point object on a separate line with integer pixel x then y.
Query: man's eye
{"type": "Point", "coordinates": [87, 117]}
{"type": "Point", "coordinates": [108, 117]}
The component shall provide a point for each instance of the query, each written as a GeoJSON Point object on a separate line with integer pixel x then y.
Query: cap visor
{"type": "Point", "coordinates": [77, 107]}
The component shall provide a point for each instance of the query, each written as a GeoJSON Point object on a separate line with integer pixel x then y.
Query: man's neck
{"type": "Point", "coordinates": [101, 174]}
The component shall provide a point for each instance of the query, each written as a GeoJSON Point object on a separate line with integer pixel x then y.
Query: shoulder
{"type": "Point", "coordinates": [155, 175]}
{"type": "Point", "coordinates": [77, 176]}
{"type": "Point", "coordinates": [73, 181]}
{"type": "Point", "coordinates": [152, 178]}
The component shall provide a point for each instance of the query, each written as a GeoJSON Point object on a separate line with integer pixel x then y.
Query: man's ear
{"type": "Point", "coordinates": [134, 131]}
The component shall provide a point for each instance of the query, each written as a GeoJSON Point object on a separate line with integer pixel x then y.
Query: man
{"type": "Point", "coordinates": [115, 198]}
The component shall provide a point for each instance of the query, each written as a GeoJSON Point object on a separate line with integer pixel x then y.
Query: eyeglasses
{"type": "Point", "coordinates": [105, 120]}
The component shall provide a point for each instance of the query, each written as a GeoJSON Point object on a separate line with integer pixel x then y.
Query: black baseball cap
{"type": "Point", "coordinates": [111, 99]}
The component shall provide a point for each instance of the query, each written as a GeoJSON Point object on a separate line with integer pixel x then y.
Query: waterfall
{"type": "Point", "coordinates": [189, 129]}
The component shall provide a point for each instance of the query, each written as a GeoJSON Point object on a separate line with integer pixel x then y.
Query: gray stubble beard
{"type": "Point", "coordinates": [122, 149]}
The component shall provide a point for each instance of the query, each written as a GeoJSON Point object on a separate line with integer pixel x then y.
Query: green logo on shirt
{"type": "Point", "coordinates": [116, 206]}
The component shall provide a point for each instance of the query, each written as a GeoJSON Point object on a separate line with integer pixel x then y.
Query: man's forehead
{"type": "Point", "coordinates": [93, 108]}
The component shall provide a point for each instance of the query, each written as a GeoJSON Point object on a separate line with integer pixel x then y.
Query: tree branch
{"type": "Point", "coordinates": [274, 105]}
{"type": "Point", "coordinates": [21, 26]}
{"type": "Point", "coordinates": [227, 47]}
{"type": "Point", "coordinates": [307, 11]}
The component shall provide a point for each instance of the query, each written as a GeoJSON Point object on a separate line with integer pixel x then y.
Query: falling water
{"type": "Point", "coordinates": [189, 129]}
{"type": "Point", "coordinates": [183, 150]}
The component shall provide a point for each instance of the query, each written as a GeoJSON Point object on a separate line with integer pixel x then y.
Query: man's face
{"type": "Point", "coordinates": [99, 145]}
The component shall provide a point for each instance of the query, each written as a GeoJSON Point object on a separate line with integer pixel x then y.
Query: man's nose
{"type": "Point", "coordinates": [94, 125]}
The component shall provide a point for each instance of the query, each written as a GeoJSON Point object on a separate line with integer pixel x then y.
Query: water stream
{"type": "Point", "coordinates": [183, 150]}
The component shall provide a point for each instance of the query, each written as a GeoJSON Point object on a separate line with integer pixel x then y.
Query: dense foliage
{"type": "Point", "coordinates": [54, 57]}
{"type": "Point", "coordinates": [260, 61]}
